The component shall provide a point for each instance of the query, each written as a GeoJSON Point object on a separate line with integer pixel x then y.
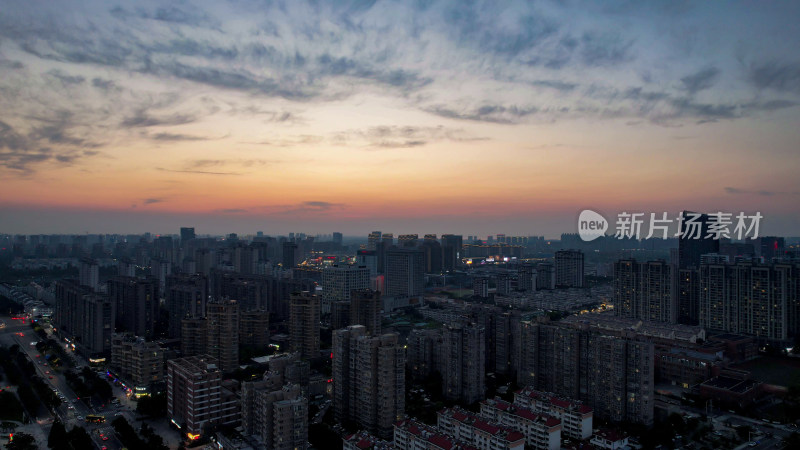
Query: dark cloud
{"type": "Point", "coordinates": [778, 76]}
{"type": "Point", "coordinates": [487, 113]}
{"type": "Point", "coordinates": [232, 211]}
{"type": "Point", "coordinates": [176, 137]}
{"type": "Point", "coordinates": [604, 49]}
{"type": "Point", "coordinates": [701, 80]}
{"type": "Point", "coordinates": [764, 192]}
{"type": "Point", "coordinates": [152, 200]}
{"type": "Point", "coordinates": [561, 86]}
{"type": "Point", "coordinates": [198, 172]}
{"type": "Point", "coordinates": [402, 136]}
{"type": "Point", "coordinates": [144, 119]}
{"type": "Point", "coordinates": [103, 84]}
{"type": "Point", "coordinates": [22, 152]}
{"type": "Point", "coordinates": [65, 79]}
{"type": "Point", "coordinates": [321, 205]}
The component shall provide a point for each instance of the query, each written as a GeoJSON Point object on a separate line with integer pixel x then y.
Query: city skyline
{"type": "Point", "coordinates": [425, 117]}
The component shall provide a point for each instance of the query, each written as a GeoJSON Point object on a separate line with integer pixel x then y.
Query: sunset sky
{"type": "Point", "coordinates": [407, 116]}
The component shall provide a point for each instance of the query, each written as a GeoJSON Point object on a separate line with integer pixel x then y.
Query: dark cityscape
{"type": "Point", "coordinates": [388, 225]}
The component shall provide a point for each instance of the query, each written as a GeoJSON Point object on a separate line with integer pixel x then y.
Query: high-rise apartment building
{"type": "Point", "coordinates": [275, 412]}
{"type": "Point", "coordinates": [752, 299]}
{"type": "Point", "coordinates": [645, 290]}
{"type": "Point", "coordinates": [136, 361]}
{"type": "Point", "coordinates": [613, 374]}
{"type": "Point", "coordinates": [694, 239]}
{"type": "Point", "coordinates": [84, 317]}
{"type": "Point", "coordinates": [304, 316]}
{"type": "Point", "coordinates": [365, 309]}
{"type": "Point", "coordinates": [569, 268]}
{"type": "Point", "coordinates": [480, 287]}
{"type": "Point", "coordinates": [254, 328]}
{"type": "Point", "coordinates": [136, 301]}
{"type": "Point", "coordinates": [545, 276]}
{"type": "Point", "coordinates": [451, 251]}
{"type": "Point", "coordinates": [368, 379]}
{"type": "Point", "coordinates": [463, 362]}
{"type": "Point", "coordinates": [339, 281]}
{"type": "Point", "coordinates": [407, 240]}
{"type": "Point", "coordinates": [405, 277]}
{"type": "Point", "coordinates": [89, 273]}
{"type": "Point", "coordinates": [222, 322]}
{"type": "Point", "coordinates": [196, 397]}
{"type": "Point", "coordinates": [186, 298]}
{"type": "Point", "coordinates": [187, 234]}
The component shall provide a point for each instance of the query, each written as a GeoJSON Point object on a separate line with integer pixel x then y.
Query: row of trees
{"type": "Point", "coordinates": [148, 440]}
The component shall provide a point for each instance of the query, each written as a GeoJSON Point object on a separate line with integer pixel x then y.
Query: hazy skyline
{"type": "Point", "coordinates": [425, 116]}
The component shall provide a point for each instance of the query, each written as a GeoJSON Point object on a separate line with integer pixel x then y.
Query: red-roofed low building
{"type": "Point", "coordinates": [610, 440]}
{"type": "Point", "coordinates": [476, 431]}
{"type": "Point", "coordinates": [365, 441]}
{"type": "Point", "coordinates": [541, 431]}
{"type": "Point", "coordinates": [576, 418]}
{"type": "Point", "coordinates": [413, 435]}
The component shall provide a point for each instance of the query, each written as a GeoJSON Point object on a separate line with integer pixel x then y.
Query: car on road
{"type": "Point", "coordinates": [50, 376]}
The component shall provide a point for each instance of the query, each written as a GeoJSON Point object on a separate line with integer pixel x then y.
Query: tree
{"type": "Point", "coordinates": [79, 439]}
{"type": "Point", "coordinates": [22, 441]}
{"type": "Point", "coordinates": [58, 436]}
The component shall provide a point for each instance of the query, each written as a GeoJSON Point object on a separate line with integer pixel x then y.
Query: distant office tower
{"type": "Point", "coordinates": [84, 317]}
{"type": "Point", "coordinates": [407, 240]}
{"type": "Point", "coordinates": [277, 414]}
{"type": "Point", "coordinates": [254, 328]}
{"type": "Point", "coordinates": [136, 302]}
{"type": "Point", "coordinates": [569, 268]}
{"type": "Point", "coordinates": [196, 397]}
{"type": "Point", "coordinates": [688, 292]}
{"type": "Point", "coordinates": [545, 276]}
{"type": "Point", "coordinates": [694, 240]}
{"type": "Point", "coordinates": [304, 314]}
{"type": "Point", "coordinates": [339, 280]}
{"type": "Point", "coordinates": [89, 273]}
{"type": "Point", "coordinates": [526, 278]}
{"type": "Point", "coordinates": [451, 251]}
{"type": "Point", "coordinates": [373, 239]}
{"type": "Point", "coordinates": [387, 239]}
{"type": "Point", "coordinates": [245, 259]}
{"type": "Point", "coordinates": [645, 291]}
{"type": "Point", "coordinates": [752, 299]}
{"type": "Point", "coordinates": [336, 238]}
{"type": "Point", "coordinates": [187, 234]}
{"type": "Point", "coordinates": [503, 284]}
{"type": "Point", "coordinates": [463, 362]}
{"type": "Point", "coordinates": [365, 309]}
{"type": "Point", "coordinates": [126, 267]}
{"type": "Point", "coordinates": [771, 247]}
{"type": "Point", "coordinates": [137, 362]}
{"type": "Point", "coordinates": [222, 318]}
{"type": "Point", "coordinates": [290, 255]}
{"type": "Point", "coordinates": [160, 269]}
{"type": "Point", "coordinates": [404, 272]}
{"type": "Point", "coordinates": [186, 297]}
{"type": "Point", "coordinates": [433, 254]}
{"type": "Point", "coordinates": [613, 374]}
{"type": "Point", "coordinates": [368, 259]}
{"type": "Point", "coordinates": [480, 287]}
{"type": "Point", "coordinates": [368, 379]}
